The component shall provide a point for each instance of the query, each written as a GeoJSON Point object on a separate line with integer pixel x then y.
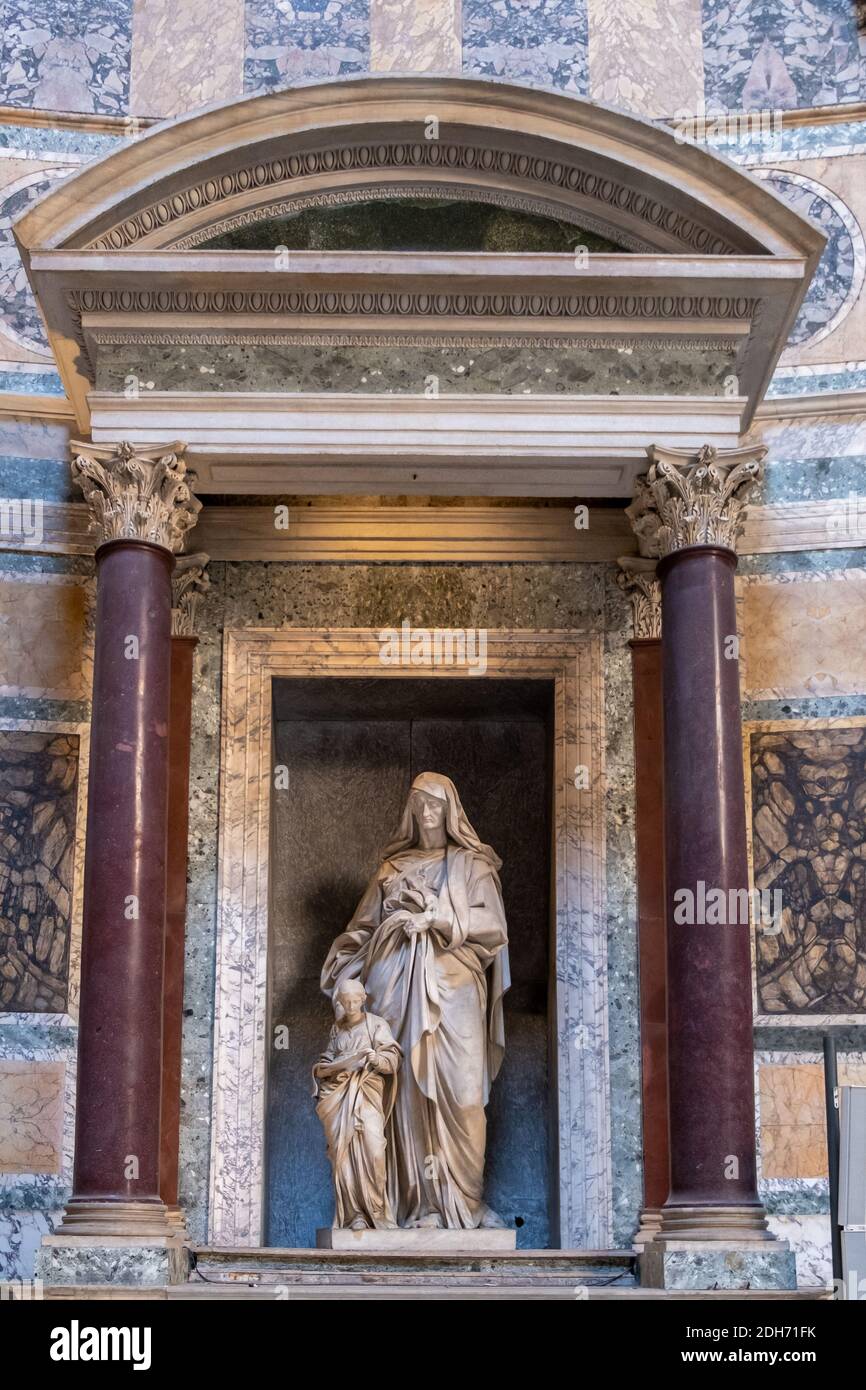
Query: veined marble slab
{"type": "Point", "coordinates": [418, 1242]}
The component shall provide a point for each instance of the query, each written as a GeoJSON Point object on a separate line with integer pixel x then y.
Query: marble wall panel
{"type": "Point", "coordinates": [38, 1064]}
{"type": "Point", "coordinates": [21, 1232]}
{"type": "Point", "coordinates": [803, 634]}
{"type": "Point", "coordinates": [809, 1237]}
{"type": "Point", "coordinates": [654, 57]}
{"type": "Point", "coordinates": [31, 1116]}
{"type": "Point", "coordinates": [181, 58]}
{"type": "Point", "coordinates": [45, 635]}
{"type": "Point", "coordinates": [793, 1126]}
{"type": "Point", "coordinates": [415, 36]}
{"type": "Point", "coordinates": [39, 782]}
{"type": "Point", "coordinates": [838, 186]}
{"type": "Point", "coordinates": [838, 280]}
{"type": "Point", "coordinates": [34, 462]}
{"type": "Point", "coordinates": [22, 332]}
{"type": "Point", "coordinates": [543, 43]}
{"type": "Point", "coordinates": [626, 42]}
{"type": "Point", "coordinates": [56, 144]}
{"type": "Point", "coordinates": [284, 45]}
{"type": "Point", "coordinates": [779, 54]}
{"type": "Point", "coordinates": [70, 56]}
{"type": "Point", "coordinates": [806, 794]}
{"type": "Point", "coordinates": [621, 907]}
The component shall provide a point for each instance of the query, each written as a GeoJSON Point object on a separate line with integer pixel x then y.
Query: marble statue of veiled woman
{"type": "Point", "coordinates": [430, 944]}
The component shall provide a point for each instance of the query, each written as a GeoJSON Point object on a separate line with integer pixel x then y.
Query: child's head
{"type": "Point", "coordinates": [349, 998]}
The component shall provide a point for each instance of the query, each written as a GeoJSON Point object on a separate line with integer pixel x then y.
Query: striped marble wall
{"type": "Point", "coordinates": [653, 57]}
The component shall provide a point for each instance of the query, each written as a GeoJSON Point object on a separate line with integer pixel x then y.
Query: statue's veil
{"type": "Point", "coordinates": [457, 824]}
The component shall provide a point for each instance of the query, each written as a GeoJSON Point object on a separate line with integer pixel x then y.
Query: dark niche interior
{"type": "Point", "coordinates": [352, 748]}
{"type": "Point", "coordinates": [404, 224]}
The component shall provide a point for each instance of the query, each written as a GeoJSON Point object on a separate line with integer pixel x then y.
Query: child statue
{"type": "Point", "coordinates": [355, 1083]}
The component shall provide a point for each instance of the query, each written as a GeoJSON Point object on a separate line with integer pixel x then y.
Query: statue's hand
{"type": "Point", "coordinates": [416, 925]}
{"type": "Point", "coordinates": [432, 918]}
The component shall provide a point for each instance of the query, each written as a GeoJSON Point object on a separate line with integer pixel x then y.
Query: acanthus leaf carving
{"type": "Point", "coordinates": [687, 499]}
{"type": "Point", "coordinates": [135, 493]}
{"type": "Point", "coordinates": [188, 583]}
{"type": "Point", "coordinates": [637, 579]}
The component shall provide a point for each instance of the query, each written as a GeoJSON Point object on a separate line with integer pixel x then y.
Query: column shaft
{"type": "Point", "coordinates": [117, 1121]}
{"type": "Point", "coordinates": [712, 1110]}
{"type": "Point", "coordinates": [646, 656]}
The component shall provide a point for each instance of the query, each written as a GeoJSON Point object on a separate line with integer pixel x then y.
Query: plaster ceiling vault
{"type": "Point", "coordinates": [710, 258]}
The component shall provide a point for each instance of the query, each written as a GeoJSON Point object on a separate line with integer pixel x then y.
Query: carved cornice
{"type": "Point", "coordinates": [135, 493]}
{"type": "Point", "coordinates": [407, 304]}
{"type": "Point", "coordinates": [564, 179]}
{"type": "Point", "coordinates": [637, 579]}
{"type": "Point", "coordinates": [188, 583]}
{"type": "Point", "coordinates": [688, 499]}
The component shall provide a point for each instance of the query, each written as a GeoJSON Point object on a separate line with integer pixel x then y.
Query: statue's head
{"type": "Point", "coordinates": [350, 997]}
{"type": "Point", "coordinates": [429, 801]}
{"type": "Point", "coordinates": [434, 817]}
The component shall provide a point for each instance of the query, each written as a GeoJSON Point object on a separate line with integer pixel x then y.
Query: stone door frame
{"type": "Point", "coordinates": [253, 658]}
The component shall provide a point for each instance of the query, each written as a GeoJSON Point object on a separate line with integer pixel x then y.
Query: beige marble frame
{"type": "Point", "coordinates": [781, 726]}
{"type": "Point", "coordinates": [252, 659]}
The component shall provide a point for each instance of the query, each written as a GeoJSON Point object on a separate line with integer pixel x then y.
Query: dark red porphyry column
{"type": "Point", "coordinates": [140, 506]}
{"type": "Point", "coordinates": [637, 578]}
{"type": "Point", "coordinates": [188, 584]}
{"type": "Point", "coordinates": [699, 502]}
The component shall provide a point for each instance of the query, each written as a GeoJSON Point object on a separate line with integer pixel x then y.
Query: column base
{"type": "Point", "coordinates": [649, 1226]}
{"type": "Point", "coordinates": [747, 1221]}
{"type": "Point", "coordinates": [132, 1261]}
{"type": "Point", "coordinates": [84, 1217]}
{"type": "Point", "coordinates": [713, 1264]}
{"type": "Point", "coordinates": [132, 1243]}
{"type": "Point", "coordinates": [716, 1247]}
{"type": "Point", "coordinates": [177, 1221]}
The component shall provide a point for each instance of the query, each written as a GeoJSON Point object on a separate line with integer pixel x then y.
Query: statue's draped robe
{"type": "Point", "coordinates": [353, 1108]}
{"type": "Point", "coordinates": [441, 994]}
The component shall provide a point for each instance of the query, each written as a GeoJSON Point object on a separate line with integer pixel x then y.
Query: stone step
{"type": "Point", "coordinates": [378, 1292]}
{"type": "Point", "coordinates": [197, 1291]}
{"type": "Point", "coordinates": [560, 1269]}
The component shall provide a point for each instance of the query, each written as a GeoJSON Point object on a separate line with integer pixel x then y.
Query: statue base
{"type": "Point", "coordinates": [418, 1241]}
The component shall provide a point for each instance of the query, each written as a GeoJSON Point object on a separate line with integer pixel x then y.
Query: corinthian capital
{"type": "Point", "coordinates": [637, 578]}
{"type": "Point", "coordinates": [136, 494]}
{"type": "Point", "coordinates": [687, 499]}
{"type": "Point", "coordinates": [188, 583]}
